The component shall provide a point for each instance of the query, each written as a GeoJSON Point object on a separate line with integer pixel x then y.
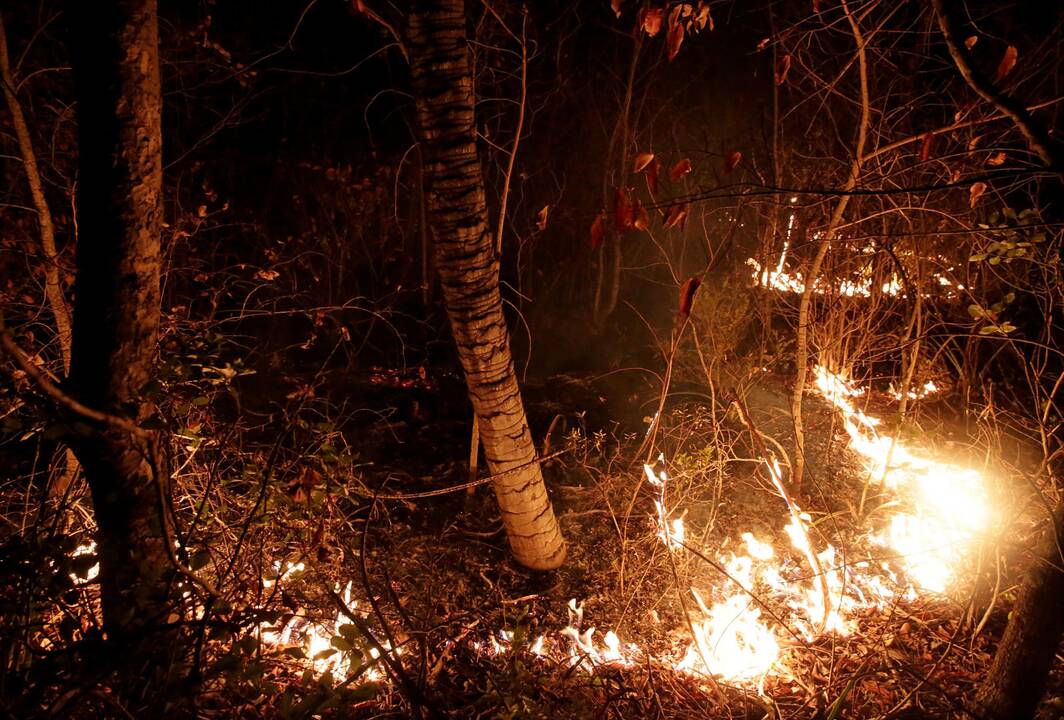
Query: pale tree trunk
{"type": "Point", "coordinates": [116, 309]}
{"type": "Point", "coordinates": [469, 275]}
{"type": "Point", "coordinates": [801, 351]}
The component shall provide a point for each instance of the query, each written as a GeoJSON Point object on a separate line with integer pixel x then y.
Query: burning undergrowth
{"type": "Point", "coordinates": [697, 584]}
{"type": "Point", "coordinates": [808, 607]}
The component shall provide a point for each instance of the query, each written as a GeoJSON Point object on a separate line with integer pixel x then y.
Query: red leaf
{"type": "Point", "coordinates": [687, 295]}
{"type": "Point", "coordinates": [995, 160]}
{"type": "Point", "coordinates": [925, 146]}
{"type": "Point", "coordinates": [652, 176]}
{"type": "Point", "coordinates": [702, 16]}
{"type": "Point", "coordinates": [622, 209]}
{"type": "Point", "coordinates": [674, 40]}
{"type": "Point", "coordinates": [680, 169]}
{"type": "Point", "coordinates": [641, 219]}
{"type": "Point", "coordinates": [974, 193]}
{"type": "Point", "coordinates": [650, 20]}
{"type": "Point", "coordinates": [1008, 61]}
{"type": "Point", "coordinates": [731, 161]}
{"type": "Point", "coordinates": [598, 231]}
{"type": "Point", "coordinates": [677, 216]}
{"type": "Point", "coordinates": [641, 161]}
{"type": "Point", "coordinates": [971, 41]}
{"type": "Point", "coordinates": [816, 6]}
{"type": "Point", "coordinates": [783, 66]}
{"type": "Point", "coordinates": [541, 218]}
{"type": "Point", "coordinates": [616, 5]}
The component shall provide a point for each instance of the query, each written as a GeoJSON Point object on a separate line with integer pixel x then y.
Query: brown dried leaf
{"type": "Point", "coordinates": [783, 66]}
{"type": "Point", "coordinates": [674, 39]}
{"type": "Point", "coordinates": [731, 161]}
{"type": "Point", "coordinates": [703, 17]}
{"type": "Point", "coordinates": [650, 20]}
{"type": "Point", "coordinates": [541, 218]}
{"type": "Point", "coordinates": [687, 295]}
{"type": "Point", "coordinates": [975, 192]}
{"type": "Point", "coordinates": [1008, 61]}
{"type": "Point", "coordinates": [680, 169]}
{"type": "Point", "coordinates": [642, 217]}
{"type": "Point", "coordinates": [996, 159]}
{"type": "Point", "coordinates": [598, 231]}
{"type": "Point", "coordinates": [641, 161]}
{"type": "Point", "coordinates": [971, 41]}
{"type": "Point", "coordinates": [926, 144]}
{"type": "Point", "coordinates": [677, 216]}
{"type": "Point", "coordinates": [616, 6]}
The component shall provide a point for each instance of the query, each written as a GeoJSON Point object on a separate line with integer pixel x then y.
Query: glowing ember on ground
{"type": "Point", "coordinates": [327, 646]}
{"type": "Point", "coordinates": [88, 548]}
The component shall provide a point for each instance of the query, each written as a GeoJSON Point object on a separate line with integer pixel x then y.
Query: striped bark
{"type": "Point", "coordinates": [117, 295]}
{"type": "Point", "coordinates": [469, 275]}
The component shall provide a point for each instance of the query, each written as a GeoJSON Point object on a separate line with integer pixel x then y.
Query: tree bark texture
{"type": "Point", "coordinates": [116, 309]}
{"type": "Point", "coordinates": [1017, 678]}
{"type": "Point", "coordinates": [469, 275]}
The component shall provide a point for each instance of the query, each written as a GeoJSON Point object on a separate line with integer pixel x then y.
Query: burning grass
{"type": "Point", "coordinates": [696, 586]}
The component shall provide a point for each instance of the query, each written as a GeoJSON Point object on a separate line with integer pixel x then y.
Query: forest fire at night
{"type": "Point", "coordinates": [440, 359]}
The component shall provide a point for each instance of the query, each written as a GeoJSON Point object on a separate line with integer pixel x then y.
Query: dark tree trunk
{"type": "Point", "coordinates": [1025, 655]}
{"type": "Point", "coordinates": [469, 275]}
{"type": "Point", "coordinates": [1024, 658]}
{"type": "Point", "coordinates": [116, 310]}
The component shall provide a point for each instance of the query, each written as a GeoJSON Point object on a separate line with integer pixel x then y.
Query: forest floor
{"type": "Point", "coordinates": [482, 638]}
{"type": "Point", "coordinates": [344, 567]}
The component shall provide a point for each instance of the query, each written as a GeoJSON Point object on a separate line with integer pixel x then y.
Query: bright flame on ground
{"type": "Point", "coordinates": [318, 640]}
{"type": "Point", "coordinates": [766, 604]}
{"type": "Point", "coordinates": [948, 504]}
{"type": "Point", "coordinates": [782, 280]}
{"type": "Point", "coordinates": [734, 640]}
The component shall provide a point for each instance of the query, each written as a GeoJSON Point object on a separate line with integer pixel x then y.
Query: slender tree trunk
{"type": "Point", "coordinates": [53, 286]}
{"type": "Point", "coordinates": [469, 275]}
{"type": "Point", "coordinates": [1027, 651]}
{"type": "Point", "coordinates": [801, 352]}
{"type": "Point", "coordinates": [116, 309]}
{"type": "Point", "coordinates": [53, 290]}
